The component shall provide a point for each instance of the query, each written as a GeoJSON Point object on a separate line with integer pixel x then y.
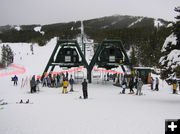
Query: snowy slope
{"type": "Point", "coordinates": [105, 112]}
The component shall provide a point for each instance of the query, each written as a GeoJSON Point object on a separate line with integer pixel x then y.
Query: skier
{"type": "Point", "coordinates": [65, 85]}
{"type": "Point", "coordinates": [131, 85]}
{"type": "Point", "coordinates": [15, 79]}
{"type": "Point", "coordinates": [139, 87]}
{"type": "Point", "coordinates": [84, 88]}
{"type": "Point", "coordinates": [157, 84]}
{"type": "Point", "coordinates": [33, 84]}
{"type": "Point", "coordinates": [71, 81]}
{"type": "Point", "coordinates": [152, 83]}
{"type": "Point", "coordinates": [174, 87]}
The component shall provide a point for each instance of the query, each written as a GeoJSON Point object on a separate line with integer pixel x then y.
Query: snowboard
{"type": "Point", "coordinates": [130, 93]}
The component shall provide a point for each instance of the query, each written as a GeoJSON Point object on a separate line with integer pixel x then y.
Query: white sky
{"type": "Point", "coordinates": [17, 12]}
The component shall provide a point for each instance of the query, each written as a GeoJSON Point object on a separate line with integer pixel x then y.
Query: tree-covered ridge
{"type": "Point", "coordinates": [138, 34]}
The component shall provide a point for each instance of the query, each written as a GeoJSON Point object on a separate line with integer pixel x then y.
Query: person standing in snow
{"type": "Point", "coordinates": [44, 82]}
{"type": "Point", "coordinates": [139, 87]}
{"type": "Point", "coordinates": [157, 84]}
{"type": "Point", "coordinates": [15, 79]}
{"type": "Point", "coordinates": [65, 85]}
{"type": "Point", "coordinates": [131, 85]}
{"type": "Point", "coordinates": [37, 84]}
{"type": "Point", "coordinates": [71, 82]}
{"type": "Point", "coordinates": [174, 87]}
{"type": "Point", "coordinates": [48, 81]}
{"type": "Point", "coordinates": [135, 83]}
{"type": "Point", "coordinates": [124, 85]}
{"type": "Point", "coordinates": [152, 83]}
{"type": "Point", "coordinates": [33, 84]}
{"type": "Point", "coordinates": [84, 89]}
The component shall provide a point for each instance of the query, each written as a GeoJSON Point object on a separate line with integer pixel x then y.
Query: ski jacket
{"type": "Point", "coordinates": [32, 83]}
{"type": "Point", "coordinates": [15, 78]}
{"type": "Point", "coordinates": [139, 84]}
{"type": "Point", "coordinates": [84, 85]}
{"type": "Point", "coordinates": [71, 81]}
{"type": "Point", "coordinates": [65, 83]}
{"type": "Point", "coordinates": [174, 86]}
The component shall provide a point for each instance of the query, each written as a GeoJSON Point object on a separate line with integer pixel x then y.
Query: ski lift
{"type": "Point", "coordinates": [110, 57]}
{"type": "Point", "coordinates": [68, 57]}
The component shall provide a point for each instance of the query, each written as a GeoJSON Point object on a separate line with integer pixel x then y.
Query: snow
{"type": "Point", "coordinates": [104, 112]}
{"type": "Point", "coordinates": [38, 29]}
{"type": "Point", "coordinates": [158, 23]}
{"type": "Point", "coordinates": [170, 25]}
{"type": "Point", "coordinates": [174, 58]}
{"type": "Point", "coordinates": [137, 21]}
{"type": "Point", "coordinates": [18, 28]}
{"type": "Point", "coordinates": [170, 39]}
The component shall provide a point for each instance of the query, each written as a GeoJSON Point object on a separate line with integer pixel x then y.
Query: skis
{"type": "Point", "coordinates": [22, 102]}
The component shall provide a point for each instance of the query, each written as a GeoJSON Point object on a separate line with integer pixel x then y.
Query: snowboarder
{"type": "Point", "coordinates": [139, 87]}
{"type": "Point", "coordinates": [71, 81]}
{"type": "Point", "coordinates": [174, 87]}
{"type": "Point", "coordinates": [157, 84]}
{"type": "Point", "coordinates": [84, 88]}
{"type": "Point", "coordinates": [65, 85]}
{"type": "Point", "coordinates": [152, 83]}
{"type": "Point", "coordinates": [15, 79]}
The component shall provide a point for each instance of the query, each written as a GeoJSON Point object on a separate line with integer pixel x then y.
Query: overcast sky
{"type": "Point", "coordinates": [18, 12]}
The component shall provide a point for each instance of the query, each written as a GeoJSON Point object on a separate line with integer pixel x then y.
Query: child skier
{"type": "Point", "coordinates": [175, 87]}
{"type": "Point", "coordinates": [65, 85]}
{"type": "Point", "coordinates": [139, 87]}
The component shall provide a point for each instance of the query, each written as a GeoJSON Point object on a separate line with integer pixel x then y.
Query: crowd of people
{"type": "Point", "coordinates": [61, 80]}
{"type": "Point", "coordinates": [57, 80]}
{"type": "Point", "coordinates": [131, 84]}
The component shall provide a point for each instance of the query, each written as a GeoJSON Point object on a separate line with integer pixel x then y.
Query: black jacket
{"type": "Point", "coordinates": [84, 85]}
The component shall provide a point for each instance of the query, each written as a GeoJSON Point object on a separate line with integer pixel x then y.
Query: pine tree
{"type": "Point", "coordinates": [133, 56]}
{"type": "Point", "coordinates": [7, 55]}
{"type": "Point", "coordinates": [170, 61]}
